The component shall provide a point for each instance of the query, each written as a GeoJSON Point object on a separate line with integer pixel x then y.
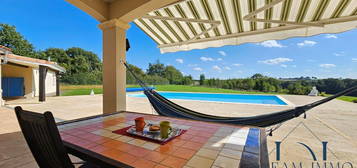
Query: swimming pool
{"type": "Point", "coordinates": [219, 97]}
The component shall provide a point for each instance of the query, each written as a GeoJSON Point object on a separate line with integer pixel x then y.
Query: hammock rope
{"type": "Point", "coordinates": [141, 83]}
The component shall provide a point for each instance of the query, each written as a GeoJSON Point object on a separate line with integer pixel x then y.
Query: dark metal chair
{"type": "Point", "coordinates": [43, 139]}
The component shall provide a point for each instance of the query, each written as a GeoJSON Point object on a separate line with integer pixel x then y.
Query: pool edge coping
{"type": "Point", "coordinates": [288, 103]}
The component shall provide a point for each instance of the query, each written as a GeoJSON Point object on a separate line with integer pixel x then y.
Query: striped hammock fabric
{"type": "Point", "coordinates": [165, 107]}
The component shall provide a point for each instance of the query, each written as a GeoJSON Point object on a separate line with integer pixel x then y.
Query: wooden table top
{"type": "Point", "coordinates": [203, 145]}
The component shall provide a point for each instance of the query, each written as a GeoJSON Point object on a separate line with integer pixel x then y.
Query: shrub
{"type": "Point", "coordinates": [355, 101]}
{"type": "Point", "coordinates": [93, 78]}
{"type": "Point", "coordinates": [155, 80]}
{"type": "Point", "coordinates": [323, 94]}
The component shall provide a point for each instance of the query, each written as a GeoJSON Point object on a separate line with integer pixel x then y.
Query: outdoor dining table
{"type": "Point", "coordinates": [204, 144]}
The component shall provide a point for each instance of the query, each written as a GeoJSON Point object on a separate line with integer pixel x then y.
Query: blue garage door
{"type": "Point", "coordinates": [12, 87]}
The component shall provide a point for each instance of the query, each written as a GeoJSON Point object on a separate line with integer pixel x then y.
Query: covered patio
{"type": "Point", "coordinates": [193, 24]}
{"type": "Point", "coordinates": [196, 24]}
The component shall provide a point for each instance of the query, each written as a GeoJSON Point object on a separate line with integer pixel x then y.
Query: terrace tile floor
{"type": "Point", "coordinates": [182, 151]}
{"type": "Point", "coordinates": [335, 122]}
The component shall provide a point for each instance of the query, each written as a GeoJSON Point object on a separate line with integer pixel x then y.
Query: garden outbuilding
{"type": "Point", "coordinates": [24, 77]}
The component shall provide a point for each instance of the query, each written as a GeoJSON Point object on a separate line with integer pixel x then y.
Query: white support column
{"type": "Point", "coordinates": [114, 72]}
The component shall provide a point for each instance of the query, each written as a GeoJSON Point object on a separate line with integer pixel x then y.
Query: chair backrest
{"type": "Point", "coordinates": [43, 139]}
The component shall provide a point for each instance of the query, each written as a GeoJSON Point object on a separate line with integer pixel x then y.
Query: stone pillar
{"type": "Point", "coordinates": [114, 72]}
{"type": "Point", "coordinates": [57, 84]}
{"type": "Point", "coordinates": [42, 83]}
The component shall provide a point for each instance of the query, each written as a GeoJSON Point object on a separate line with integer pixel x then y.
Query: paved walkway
{"type": "Point", "coordinates": [334, 122]}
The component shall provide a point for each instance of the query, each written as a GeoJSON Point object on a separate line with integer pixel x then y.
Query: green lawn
{"type": "Point", "coordinates": [346, 98]}
{"type": "Point", "coordinates": [71, 90]}
{"type": "Point", "coordinates": [81, 91]}
{"type": "Point", "coordinates": [184, 88]}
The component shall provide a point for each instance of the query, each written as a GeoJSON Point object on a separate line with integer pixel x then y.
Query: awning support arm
{"type": "Point", "coordinates": [287, 22]}
{"type": "Point", "coordinates": [251, 16]}
{"type": "Point", "coordinates": [213, 23]}
{"type": "Point", "coordinates": [181, 19]}
{"type": "Point", "coordinates": [265, 7]}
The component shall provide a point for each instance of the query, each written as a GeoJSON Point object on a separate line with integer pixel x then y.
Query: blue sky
{"type": "Point", "coordinates": [56, 23]}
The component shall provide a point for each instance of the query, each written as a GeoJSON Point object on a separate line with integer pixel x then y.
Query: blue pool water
{"type": "Point", "coordinates": [136, 89]}
{"type": "Point", "coordinates": [232, 98]}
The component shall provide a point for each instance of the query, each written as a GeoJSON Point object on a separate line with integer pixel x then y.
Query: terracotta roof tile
{"type": "Point", "coordinates": [30, 60]}
{"type": "Point", "coordinates": [5, 48]}
{"type": "Point", "coordinates": [13, 56]}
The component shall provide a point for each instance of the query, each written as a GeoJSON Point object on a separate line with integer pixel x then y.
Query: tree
{"type": "Point", "coordinates": [298, 88]}
{"type": "Point", "coordinates": [92, 59]}
{"type": "Point", "coordinates": [257, 76]}
{"type": "Point", "coordinates": [173, 75]}
{"type": "Point", "coordinates": [156, 69]}
{"type": "Point", "coordinates": [248, 84]}
{"type": "Point", "coordinates": [155, 80]}
{"type": "Point", "coordinates": [187, 80]}
{"type": "Point", "coordinates": [58, 55]}
{"type": "Point", "coordinates": [137, 71]}
{"type": "Point", "coordinates": [202, 79]}
{"type": "Point", "coordinates": [10, 38]}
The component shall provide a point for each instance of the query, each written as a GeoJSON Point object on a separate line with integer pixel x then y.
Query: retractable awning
{"type": "Point", "coordinates": [199, 24]}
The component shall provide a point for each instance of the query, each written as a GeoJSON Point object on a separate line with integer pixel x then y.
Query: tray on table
{"type": "Point", "coordinates": [154, 135]}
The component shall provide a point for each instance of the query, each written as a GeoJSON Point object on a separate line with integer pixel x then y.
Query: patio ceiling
{"type": "Point", "coordinates": [199, 24]}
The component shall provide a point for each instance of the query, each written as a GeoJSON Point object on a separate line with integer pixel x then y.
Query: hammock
{"type": "Point", "coordinates": [168, 108]}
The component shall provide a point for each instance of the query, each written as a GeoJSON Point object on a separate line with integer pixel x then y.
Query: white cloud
{"type": "Point", "coordinates": [210, 59]}
{"type": "Point", "coordinates": [192, 65]}
{"type": "Point", "coordinates": [179, 60]}
{"type": "Point", "coordinates": [331, 36]}
{"type": "Point", "coordinates": [206, 59]}
{"type": "Point", "coordinates": [197, 69]}
{"type": "Point", "coordinates": [237, 65]}
{"type": "Point", "coordinates": [327, 65]}
{"type": "Point", "coordinates": [283, 65]}
{"type": "Point", "coordinates": [222, 53]}
{"type": "Point", "coordinates": [276, 61]}
{"type": "Point", "coordinates": [216, 67]}
{"type": "Point", "coordinates": [354, 59]}
{"type": "Point", "coordinates": [307, 43]}
{"type": "Point", "coordinates": [337, 54]}
{"type": "Point", "coordinates": [227, 68]}
{"type": "Point", "coordinates": [271, 44]}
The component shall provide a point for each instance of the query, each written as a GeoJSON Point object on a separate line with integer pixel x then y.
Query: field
{"type": "Point", "coordinates": [71, 90]}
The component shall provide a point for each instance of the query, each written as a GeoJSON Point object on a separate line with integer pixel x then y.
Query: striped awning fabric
{"type": "Point", "coordinates": [198, 24]}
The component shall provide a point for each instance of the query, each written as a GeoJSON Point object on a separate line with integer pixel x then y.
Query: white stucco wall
{"type": "Point", "coordinates": [35, 80]}
{"type": "Point", "coordinates": [50, 82]}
